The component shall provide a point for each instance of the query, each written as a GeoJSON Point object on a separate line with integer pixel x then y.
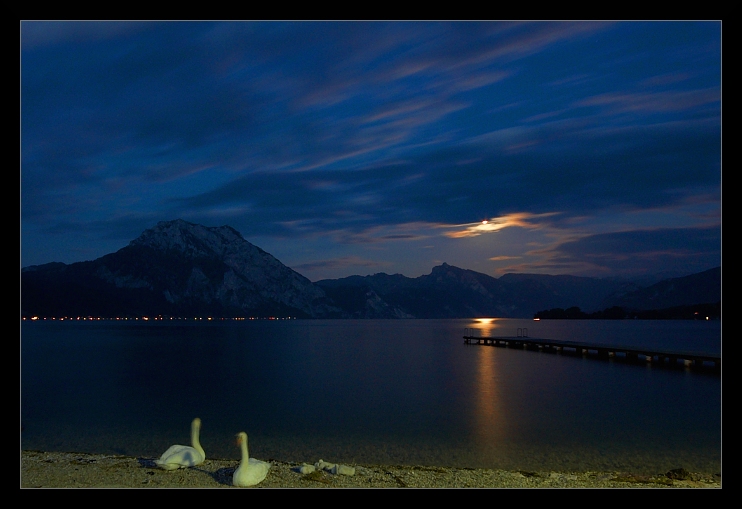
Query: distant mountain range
{"type": "Point", "coordinates": [179, 268]}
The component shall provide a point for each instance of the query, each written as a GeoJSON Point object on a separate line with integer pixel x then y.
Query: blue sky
{"type": "Point", "coordinates": [341, 148]}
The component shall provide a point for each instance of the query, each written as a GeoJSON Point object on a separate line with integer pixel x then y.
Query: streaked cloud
{"type": "Point", "coordinates": [384, 144]}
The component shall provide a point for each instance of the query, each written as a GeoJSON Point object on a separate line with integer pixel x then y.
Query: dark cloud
{"type": "Point", "coordinates": [340, 263]}
{"type": "Point", "coordinates": [679, 250]}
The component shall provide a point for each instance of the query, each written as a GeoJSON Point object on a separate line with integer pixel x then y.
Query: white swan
{"type": "Point", "coordinates": [183, 456]}
{"type": "Point", "coordinates": [251, 471]}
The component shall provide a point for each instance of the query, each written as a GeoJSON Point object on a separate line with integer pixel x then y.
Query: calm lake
{"type": "Point", "coordinates": [373, 391]}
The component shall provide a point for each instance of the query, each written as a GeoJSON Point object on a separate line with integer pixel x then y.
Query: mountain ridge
{"type": "Point", "coordinates": [179, 268]}
{"type": "Point", "coordinates": [451, 292]}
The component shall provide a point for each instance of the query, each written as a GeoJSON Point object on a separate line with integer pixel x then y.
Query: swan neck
{"type": "Point", "coordinates": [243, 446]}
{"type": "Point", "coordinates": [195, 442]}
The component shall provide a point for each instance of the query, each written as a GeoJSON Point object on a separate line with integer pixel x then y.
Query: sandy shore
{"type": "Point", "coordinates": [77, 470]}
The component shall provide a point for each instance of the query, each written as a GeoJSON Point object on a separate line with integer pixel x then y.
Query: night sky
{"type": "Point", "coordinates": [341, 148]}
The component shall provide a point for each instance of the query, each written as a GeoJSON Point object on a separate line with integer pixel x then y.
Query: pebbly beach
{"type": "Point", "coordinates": [79, 470]}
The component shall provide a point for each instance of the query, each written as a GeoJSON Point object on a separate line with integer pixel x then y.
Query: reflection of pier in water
{"type": "Point", "coordinates": [607, 352]}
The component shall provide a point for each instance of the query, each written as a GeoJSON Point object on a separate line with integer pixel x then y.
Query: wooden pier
{"type": "Point", "coordinates": [606, 352]}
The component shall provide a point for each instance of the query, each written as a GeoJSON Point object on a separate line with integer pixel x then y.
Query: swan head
{"type": "Point", "coordinates": [241, 437]}
{"type": "Point", "coordinates": [196, 423]}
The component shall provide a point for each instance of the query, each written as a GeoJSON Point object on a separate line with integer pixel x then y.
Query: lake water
{"type": "Point", "coordinates": [373, 391]}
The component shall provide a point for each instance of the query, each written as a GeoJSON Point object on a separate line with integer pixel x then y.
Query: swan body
{"type": "Point", "coordinates": [184, 456]}
{"type": "Point", "coordinates": [251, 471]}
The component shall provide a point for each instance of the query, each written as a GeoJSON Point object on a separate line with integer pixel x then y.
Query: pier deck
{"type": "Point", "coordinates": [670, 359]}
